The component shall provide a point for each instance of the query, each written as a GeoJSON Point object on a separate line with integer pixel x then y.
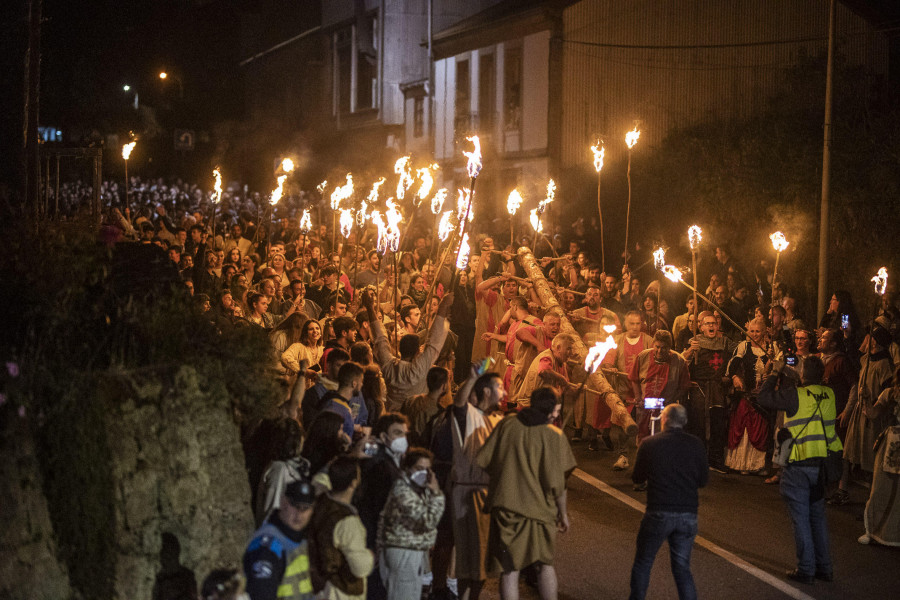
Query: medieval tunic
{"type": "Point", "coordinates": [882, 516]}
{"type": "Point", "coordinates": [542, 362]}
{"type": "Point", "coordinates": [527, 466]}
{"type": "Point", "coordinates": [874, 377]}
{"type": "Point", "coordinates": [524, 353]}
{"type": "Point", "coordinates": [627, 349]}
{"type": "Point", "coordinates": [748, 433]}
{"type": "Point", "coordinates": [468, 493]}
{"type": "Point", "coordinates": [708, 367]}
{"type": "Point", "coordinates": [668, 380]}
{"type": "Point", "coordinates": [489, 310]}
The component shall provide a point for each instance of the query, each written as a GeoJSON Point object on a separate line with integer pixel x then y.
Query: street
{"type": "Point", "coordinates": [744, 547]}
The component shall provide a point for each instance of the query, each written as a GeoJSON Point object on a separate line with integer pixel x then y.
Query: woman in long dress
{"type": "Point", "coordinates": [882, 516]}
{"type": "Point", "coordinates": [748, 433]}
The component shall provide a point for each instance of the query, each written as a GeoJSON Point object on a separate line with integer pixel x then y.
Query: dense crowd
{"type": "Point", "coordinates": [423, 434]}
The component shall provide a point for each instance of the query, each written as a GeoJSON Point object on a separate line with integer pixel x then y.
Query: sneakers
{"type": "Point", "coordinates": [864, 539]}
{"type": "Point", "coordinates": [621, 464]}
{"type": "Point", "coordinates": [796, 575]}
{"type": "Point", "coordinates": [839, 498]}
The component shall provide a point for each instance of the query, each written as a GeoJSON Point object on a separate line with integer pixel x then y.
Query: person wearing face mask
{"type": "Point", "coordinates": [379, 472]}
{"type": "Point", "coordinates": [407, 528]}
{"type": "Point", "coordinates": [527, 461]}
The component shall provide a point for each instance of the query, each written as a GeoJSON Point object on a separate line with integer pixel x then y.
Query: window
{"type": "Point", "coordinates": [512, 89]}
{"type": "Point", "coordinates": [463, 95]}
{"type": "Point", "coordinates": [366, 62]}
{"type": "Point", "coordinates": [487, 81]}
{"type": "Point", "coordinates": [355, 59]}
{"type": "Point", "coordinates": [418, 116]}
{"type": "Point", "coordinates": [343, 69]}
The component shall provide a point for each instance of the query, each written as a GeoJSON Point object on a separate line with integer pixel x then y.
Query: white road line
{"type": "Point", "coordinates": [737, 561]}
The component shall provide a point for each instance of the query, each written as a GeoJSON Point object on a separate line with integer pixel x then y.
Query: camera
{"type": "Point", "coordinates": [654, 403]}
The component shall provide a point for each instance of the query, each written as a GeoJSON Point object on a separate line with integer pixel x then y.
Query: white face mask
{"type": "Point", "coordinates": [399, 445]}
{"type": "Point", "coordinates": [419, 477]}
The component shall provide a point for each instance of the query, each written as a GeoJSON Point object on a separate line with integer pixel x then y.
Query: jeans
{"type": "Point", "coordinates": [805, 498]}
{"type": "Point", "coordinates": [656, 527]}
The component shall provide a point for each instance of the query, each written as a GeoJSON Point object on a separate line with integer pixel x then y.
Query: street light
{"type": "Point", "coordinates": [126, 88]}
{"type": "Point", "coordinates": [163, 75]}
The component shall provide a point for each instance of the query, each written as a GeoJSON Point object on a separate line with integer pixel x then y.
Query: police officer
{"type": "Point", "coordinates": [276, 562]}
{"type": "Point", "coordinates": [809, 417]}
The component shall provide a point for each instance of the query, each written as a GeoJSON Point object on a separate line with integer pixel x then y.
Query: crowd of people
{"type": "Point", "coordinates": [423, 437]}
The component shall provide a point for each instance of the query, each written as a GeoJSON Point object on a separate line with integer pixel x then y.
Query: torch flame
{"type": "Point", "coordinates": [513, 202]}
{"type": "Point", "coordinates": [778, 241]}
{"type": "Point", "coordinates": [672, 273]}
{"type": "Point", "coordinates": [277, 193]}
{"type": "Point", "coordinates": [305, 221]}
{"type": "Point", "coordinates": [394, 218]}
{"type": "Point", "coordinates": [401, 168]}
{"type": "Point", "coordinates": [695, 236]}
{"type": "Point", "coordinates": [218, 187]}
{"type": "Point", "coordinates": [427, 181]}
{"type": "Point", "coordinates": [378, 219]}
{"type": "Point", "coordinates": [342, 192]}
{"type": "Point", "coordinates": [127, 148]}
{"type": "Point", "coordinates": [437, 201]}
{"type": "Point", "coordinates": [473, 168]}
{"type": "Point", "coordinates": [599, 152]}
{"type": "Point", "coordinates": [659, 258]}
{"type": "Point", "coordinates": [287, 165]}
{"type": "Point", "coordinates": [446, 226]}
{"type": "Point", "coordinates": [535, 220]}
{"type": "Point", "coordinates": [463, 260]}
{"type": "Point", "coordinates": [631, 137]}
{"type": "Point", "coordinates": [321, 187]}
{"type": "Point", "coordinates": [346, 221]}
{"type": "Point", "coordinates": [880, 281]}
{"type": "Point", "coordinates": [373, 193]}
{"type": "Point", "coordinates": [609, 328]}
{"type": "Point", "coordinates": [597, 353]}
{"type": "Point", "coordinates": [551, 196]}
{"type": "Point", "coordinates": [462, 204]}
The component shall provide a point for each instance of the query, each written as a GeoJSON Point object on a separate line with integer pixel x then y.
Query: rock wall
{"type": "Point", "coordinates": [179, 469]}
{"type": "Point", "coordinates": [29, 569]}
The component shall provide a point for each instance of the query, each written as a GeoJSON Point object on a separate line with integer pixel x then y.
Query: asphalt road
{"type": "Point", "coordinates": [744, 547]}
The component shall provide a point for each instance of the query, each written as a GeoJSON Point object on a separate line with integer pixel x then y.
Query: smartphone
{"type": "Point", "coordinates": [791, 361]}
{"type": "Point", "coordinates": [483, 365]}
{"type": "Point", "coordinates": [654, 403]}
{"type": "Point", "coordinates": [845, 322]}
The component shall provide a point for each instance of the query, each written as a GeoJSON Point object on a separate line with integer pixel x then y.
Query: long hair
{"type": "Point", "coordinates": [304, 332]}
{"type": "Point", "coordinates": [293, 327]}
{"type": "Point", "coordinates": [322, 441]}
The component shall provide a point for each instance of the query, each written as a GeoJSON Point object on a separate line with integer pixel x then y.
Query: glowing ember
{"type": "Point", "coordinates": [462, 260]}
{"type": "Point", "coordinates": [287, 165]}
{"type": "Point", "coordinates": [778, 241]}
{"type": "Point", "coordinates": [277, 193]}
{"type": "Point", "coordinates": [672, 273]}
{"type": "Point", "coordinates": [346, 221]}
{"type": "Point", "coordinates": [126, 150]}
{"type": "Point", "coordinates": [695, 236]}
{"type": "Point", "coordinates": [880, 281]}
{"type": "Point", "coordinates": [597, 353]}
{"type": "Point", "coordinates": [305, 221]}
{"type": "Point", "coordinates": [445, 228]}
{"type": "Point", "coordinates": [427, 180]}
{"type": "Point", "coordinates": [513, 202]}
{"type": "Point", "coordinates": [321, 187]}
{"type": "Point", "coordinates": [473, 168]}
{"type": "Point", "coordinates": [599, 152]}
{"type": "Point", "coordinates": [631, 137]}
{"type": "Point", "coordinates": [437, 201]}
{"type": "Point", "coordinates": [535, 220]}
{"type": "Point", "coordinates": [401, 168]}
{"type": "Point", "coordinates": [659, 258]}
{"type": "Point", "coordinates": [342, 192]}
{"type": "Point", "coordinates": [218, 187]}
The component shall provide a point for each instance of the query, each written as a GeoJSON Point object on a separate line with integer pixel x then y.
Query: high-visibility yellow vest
{"type": "Point", "coordinates": [813, 426]}
{"type": "Point", "coordinates": [296, 583]}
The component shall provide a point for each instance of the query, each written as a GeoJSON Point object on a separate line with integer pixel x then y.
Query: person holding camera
{"type": "Point", "coordinates": [673, 465]}
{"type": "Point", "coordinates": [657, 373]}
{"type": "Point", "coordinates": [810, 418]}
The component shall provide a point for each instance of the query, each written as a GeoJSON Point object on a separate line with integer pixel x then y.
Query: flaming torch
{"type": "Point", "coordinates": [659, 262]}
{"type": "Point", "coordinates": [595, 356]}
{"type": "Point", "coordinates": [599, 151]}
{"type": "Point", "coordinates": [780, 244]}
{"type": "Point", "coordinates": [340, 193]}
{"type": "Point", "coordinates": [512, 205]}
{"type": "Point", "coordinates": [695, 236]}
{"type": "Point", "coordinates": [346, 222]}
{"type": "Point", "coordinates": [305, 221]}
{"type": "Point", "coordinates": [631, 139]}
{"type": "Point", "coordinates": [217, 197]}
{"type": "Point", "coordinates": [126, 154]}
{"type": "Point", "coordinates": [405, 180]}
{"type": "Point", "coordinates": [427, 180]}
{"type": "Point", "coordinates": [880, 280]}
{"type": "Point", "coordinates": [537, 213]}
{"type": "Point", "coordinates": [287, 165]}
{"type": "Point", "coordinates": [473, 168]}
{"type": "Point", "coordinates": [462, 257]}
{"type": "Point", "coordinates": [674, 274]}
{"type": "Point", "coordinates": [437, 201]}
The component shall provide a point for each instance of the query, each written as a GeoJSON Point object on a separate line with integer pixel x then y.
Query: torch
{"type": "Point", "coordinates": [595, 356]}
{"type": "Point", "coordinates": [287, 165]}
{"type": "Point", "coordinates": [780, 244]}
{"type": "Point", "coordinates": [512, 205]}
{"type": "Point", "coordinates": [674, 274]}
{"type": "Point", "coordinates": [305, 226]}
{"type": "Point", "coordinates": [217, 197]}
{"type": "Point", "coordinates": [695, 236]}
{"type": "Point", "coordinates": [631, 139]}
{"type": "Point", "coordinates": [340, 193]}
{"type": "Point", "coordinates": [880, 281]}
{"type": "Point", "coordinates": [599, 152]}
{"type": "Point", "coordinates": [659, 261]}
{"type": "Point", "coordinates": [126, 154]}
{"type": "Point", "coordinates": [535, 216]}
{"type": "Point", "coordinates": [473, 168]}
{"type": "Point", "coordinates": [437, 204]}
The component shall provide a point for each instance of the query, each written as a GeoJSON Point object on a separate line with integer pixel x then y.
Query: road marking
{"type": "Point", "coordinates": [734, 559]}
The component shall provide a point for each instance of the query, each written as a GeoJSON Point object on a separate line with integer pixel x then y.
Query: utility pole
{"type": "Point", "coordinates": [32, 88]}
{"type": "Point", "coordinates": [826, 174]}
